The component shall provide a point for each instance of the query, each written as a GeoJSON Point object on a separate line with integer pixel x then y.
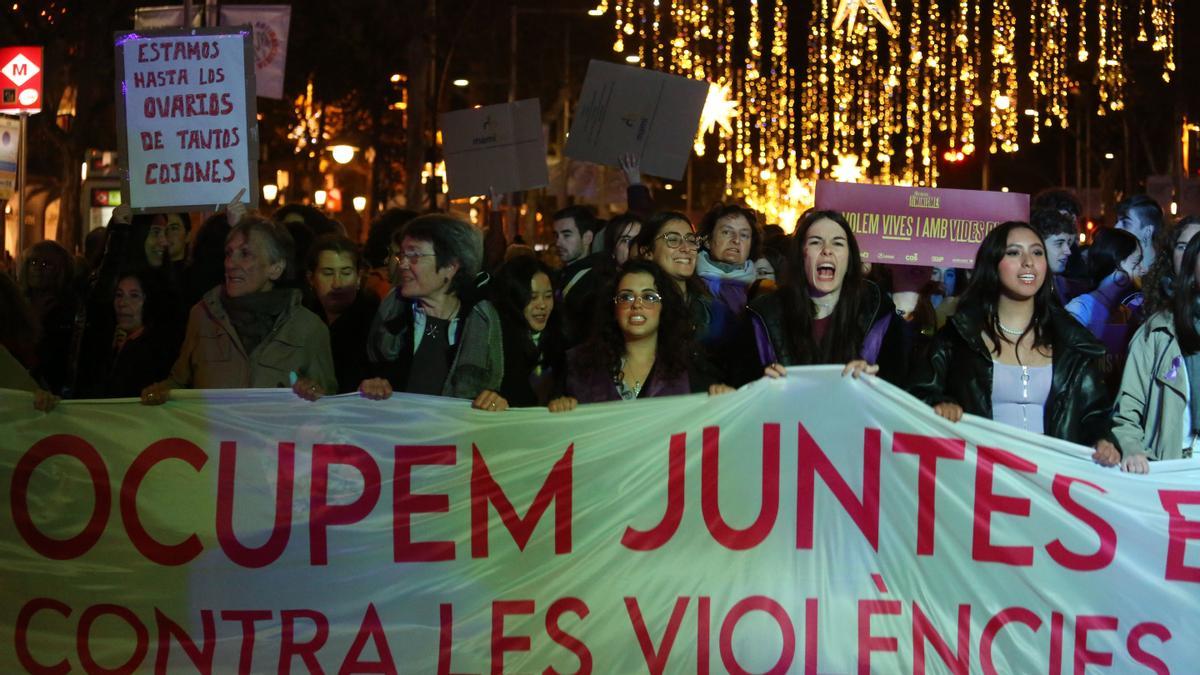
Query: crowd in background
{"type": "Point", "coordinates": [1098, 345]}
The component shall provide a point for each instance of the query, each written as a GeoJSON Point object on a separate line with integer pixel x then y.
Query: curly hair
{"type": "Point", "coordinates": [984, 291]}
{"type": "Point", "coordinates": [674, 339]}
{"type": "Point", "coordinates": [1159, 280]}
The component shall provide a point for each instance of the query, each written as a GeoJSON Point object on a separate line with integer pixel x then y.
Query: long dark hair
{"type": "Point", "coordinates": [607, 343]}
{"type": "Point", "coordinates": [510, 291]}
{"type": "Point", "coordinates": [985, 288]}
{"type": "Point", "coordinates": [1109, 249]}
{"type": "Point", "coordinates": [843, 340]}
{"type": "Point", "coordinates": [154, 303]}
{"type": "Point", "coordinates": [1184, 300]}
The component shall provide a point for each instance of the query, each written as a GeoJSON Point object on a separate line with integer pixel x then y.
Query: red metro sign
{"type": "Point", "coordinates": [20, 79]}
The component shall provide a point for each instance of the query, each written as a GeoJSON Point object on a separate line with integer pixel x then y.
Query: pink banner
{"type": "Point", "coordinates": [937, 227]}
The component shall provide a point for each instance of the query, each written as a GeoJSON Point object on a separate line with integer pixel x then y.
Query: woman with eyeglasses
{"type": "Point", "coordinates": [512, 352]}
{"type": "Point", "coordinates": [669, 240]}
{"type": "Point", "coordinates": [1011, 353]}
{"type": "Point", "coordinates": [417, 331]}
{"type": "Point", "coordinates": [642, 346]}
{"type": "Point", "coordinates": [828, 312]}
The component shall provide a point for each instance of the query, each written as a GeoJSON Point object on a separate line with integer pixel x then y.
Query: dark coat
{"type": "Point", "coordinates": [764, 339]}
{"type": "Point", "coordinates": [348, 339]}
{"type": "Point", "coordinates": [141, 362]}
{"type": "Point", "coordinates": [959, 370]}
{"type": "Point", "coordinates": [579, 283]}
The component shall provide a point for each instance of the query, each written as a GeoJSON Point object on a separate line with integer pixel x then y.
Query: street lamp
{"type": "Point", "coordinates": [320, 196]}
{"type": "Point", "coordinates": [270, 192]}
{"type": "Point", "coordinates": [360, 203]}
{"type": "Point", "coordinates": [342, 154]}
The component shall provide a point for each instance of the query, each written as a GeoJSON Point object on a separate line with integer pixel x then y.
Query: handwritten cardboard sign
{"type": "Point", "coordinates": [937, 227]}
{"type": "Point", "coordinates": [497, 148]}
{"type": "Point", "coordinates": [186, 118]}
{"type": "Point", "coordinates": [625, 109]}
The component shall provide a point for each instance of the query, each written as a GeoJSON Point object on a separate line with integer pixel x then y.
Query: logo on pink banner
{"type": "Point", "coordinates": [920, 226]}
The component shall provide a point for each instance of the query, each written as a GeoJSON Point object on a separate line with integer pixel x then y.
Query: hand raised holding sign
{"type": "Point", "coordinates": [122, 215]}
{"type": "Point", "coordinates": [631, 166]}
{"type": "Point", "coordinates": [235, 210]}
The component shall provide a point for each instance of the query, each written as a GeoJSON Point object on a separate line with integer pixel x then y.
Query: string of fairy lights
{"type": "Point", "coordinates": [883, 89]}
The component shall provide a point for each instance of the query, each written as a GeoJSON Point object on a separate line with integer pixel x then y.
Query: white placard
{"type": "Point", "coordinates": [270, 24]}
{"type": "Point", "coordinates": [498, 148]}
{"type": "Point", "coordinates": [625, 109]}
{"type": "Point", "coordinates": [186, 116]}
{"type": "Point", "coordinates": [10, 141]}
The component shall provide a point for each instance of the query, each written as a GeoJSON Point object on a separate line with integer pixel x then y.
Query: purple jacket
{"type": "Point", "coordinates": [596, 386]}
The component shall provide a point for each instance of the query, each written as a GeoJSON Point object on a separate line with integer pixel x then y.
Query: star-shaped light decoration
{"type": "Point", "coordinates": [847, 11]}
{"type": "Point", "coordinates": [719, 109]}
{"type": "Point", "coordinates": [847, 169]}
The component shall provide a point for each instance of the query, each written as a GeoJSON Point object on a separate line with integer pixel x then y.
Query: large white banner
{"type": "Point", "coordinates": [810, 525]}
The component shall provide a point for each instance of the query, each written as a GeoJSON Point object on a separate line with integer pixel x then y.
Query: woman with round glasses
{"type": "Point", "coordinates": [415, 335]}
{"type": "Point", "coordinates": [1011, 353]}
{"type": "Point", "coordinates": [642, 346]}
{"type": "Point", "coordinates": [669, 240]}
{"type": "Point", "coordinates": [828, 312]}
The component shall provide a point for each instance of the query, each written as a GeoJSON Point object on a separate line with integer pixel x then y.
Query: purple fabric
{"type": "Point", "coordinates": [874, 339]}
{"type": "Point", "coordinates": [595, 386]}
{"type": "Point", "coordinates": [766, 351]}
{"type": "Point", "coordinates": [730, 293]}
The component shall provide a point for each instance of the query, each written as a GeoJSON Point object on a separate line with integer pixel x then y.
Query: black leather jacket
{"type": "Point", "coordinates": [959, 370]}
{"type": "Point", "coordinates": [767, 311]}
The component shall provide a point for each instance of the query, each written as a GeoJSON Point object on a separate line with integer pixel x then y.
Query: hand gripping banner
{"type": "Point", "coordinates": [815, 524]}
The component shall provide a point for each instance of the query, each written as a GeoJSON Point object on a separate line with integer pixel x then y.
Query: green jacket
{"type": "Point", "coordinates": [1153, 399]}
{"type": "Point", "coordinates": [479, 363]}
{"type": "Point", "coordinates": [212, 356]}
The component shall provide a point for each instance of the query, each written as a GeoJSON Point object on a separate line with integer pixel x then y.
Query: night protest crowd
{"type": "Point", "coordinates": [1099, 347]}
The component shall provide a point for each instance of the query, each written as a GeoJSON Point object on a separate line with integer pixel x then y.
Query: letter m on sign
{"type": "Point", "coordinates": [486, 491]}
{"type": "Point", "coordinates": [19, 68]}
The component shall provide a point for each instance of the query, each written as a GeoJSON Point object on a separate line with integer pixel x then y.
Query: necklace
{"type": "Point", "coordinates": [1010, 331]}
{"type": "Point", "coordinates": [433, 326]}
{"type": "Point", "coordinates": [824, 305]}
{"type": "Point", "coordinates": [619, 379]}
